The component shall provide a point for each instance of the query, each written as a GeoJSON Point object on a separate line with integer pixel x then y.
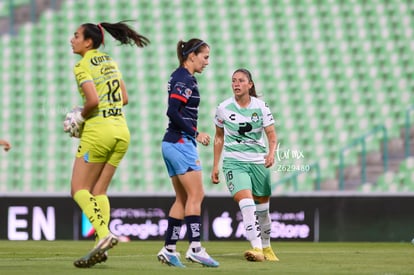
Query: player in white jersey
{"type": "Point", "coordinates": [241, 122]}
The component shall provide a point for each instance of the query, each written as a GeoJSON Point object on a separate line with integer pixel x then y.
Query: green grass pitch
{"type": "Point", "coordinates": [139, 257]}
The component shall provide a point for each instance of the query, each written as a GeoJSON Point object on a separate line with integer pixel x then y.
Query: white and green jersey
{"type": "Point", "coordinates": [244, 129]}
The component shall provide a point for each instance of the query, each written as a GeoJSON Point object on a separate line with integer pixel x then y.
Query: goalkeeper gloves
{"type": "Point", "coordinates": [73, 123]}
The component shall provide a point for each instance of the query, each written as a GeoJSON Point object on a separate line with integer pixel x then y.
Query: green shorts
{"type": "Point", "coordinates": [104, 142]}
{"type": "Point", "coordinates": [245, 175]}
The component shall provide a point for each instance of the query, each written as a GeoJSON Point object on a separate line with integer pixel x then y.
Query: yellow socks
{"type": "Point", "coordinates": [92, 209]}
{"type": "Point", "coordinates": [103, 203]}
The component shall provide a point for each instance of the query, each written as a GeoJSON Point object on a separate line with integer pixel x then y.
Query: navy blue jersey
{"type": "Point", "coordinates": [183, 102]}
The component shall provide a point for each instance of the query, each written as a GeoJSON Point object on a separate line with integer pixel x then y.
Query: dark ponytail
{"type": "Point", "coordinates": [184, 49]}
{"type": "Point", "coordinates": [120, 31]}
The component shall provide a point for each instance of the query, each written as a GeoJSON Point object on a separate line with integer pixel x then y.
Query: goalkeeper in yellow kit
{"type": "Point", "coordinates": [101, 126]}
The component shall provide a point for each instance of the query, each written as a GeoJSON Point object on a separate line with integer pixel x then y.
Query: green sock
{"type": "Point", "coordinates": [103, 203]}
{"type": "Point", "coordinates": [90, 207]}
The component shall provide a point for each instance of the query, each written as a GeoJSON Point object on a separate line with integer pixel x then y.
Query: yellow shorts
{"type": "Point", "coordinates": [104, 142]}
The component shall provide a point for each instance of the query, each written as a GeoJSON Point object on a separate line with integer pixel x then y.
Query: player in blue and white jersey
{"type": "Point", "coordinates": [241, 122]}
{"type": "Point", "coordinates": [179, 150]}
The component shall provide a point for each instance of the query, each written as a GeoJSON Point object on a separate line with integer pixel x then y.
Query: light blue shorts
{"type": "Point", "coordinates": [180, 157]}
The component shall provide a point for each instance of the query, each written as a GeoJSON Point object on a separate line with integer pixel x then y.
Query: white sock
{"type": "Point", "coordinates": [171, 247]}
{"type": "Point", "coordinates": [195, 246]}
{"type": "Point", "coordinates": [263, 217]}
{"type": "Point", "coordinates": [248, 209]}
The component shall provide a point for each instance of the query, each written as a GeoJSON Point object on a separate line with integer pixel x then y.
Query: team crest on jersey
{"type": "Point", "coordinates": [255, 117]}
{"type": "Point", "coordinates": [188, 92]}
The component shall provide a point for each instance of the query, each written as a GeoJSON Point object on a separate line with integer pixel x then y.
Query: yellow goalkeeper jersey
{"type": "Point", "coordinates": [100, 68]}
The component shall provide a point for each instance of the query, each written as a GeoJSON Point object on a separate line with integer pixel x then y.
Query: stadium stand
{"type": "Point", "coordinates": [330, 70]}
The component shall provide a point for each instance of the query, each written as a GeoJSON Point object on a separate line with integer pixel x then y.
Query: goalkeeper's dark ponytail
{"type": "Point", "coordinates": [120, 31]}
